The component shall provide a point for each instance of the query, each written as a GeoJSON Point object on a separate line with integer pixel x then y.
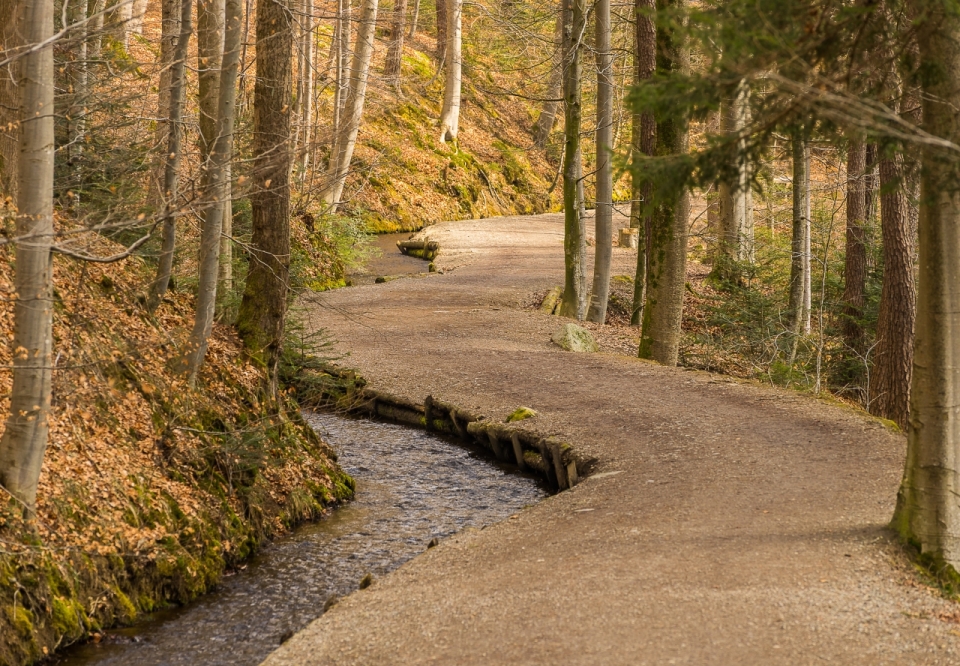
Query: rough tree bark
{"type": "Point", "coordinates": [643, 142]}
{"type": "Point", "coordinates": [391, 69]}
{"type": "Point", "coordinates": [25, 437]}
{"type": "Point", "coordinates": [666, 267]}
{"type": "Point", "coordinates": [889, 394]}
{"type": "Point", "coordinates": [346, 140]}
{"type": "Point", "coordinates": [9, 100]}
{"type": "Point", "coordinates": [171, 169]}
{"type": "Point", "coordinates": [217, 187]}
{"type": "Point", "coordinates": [574, 239]}
{"type": "Point", "coordinates": [450, 113]}
{"type": "Point", "coordinates": [928, 509]}
{"type": "Point", "coordinates": [603, 211]}
{"type": "Point", "coordinates": [170, 11]}
{"type": "Point", "coordinates": [548, 113]}
{"type": "Point", "coordinates": [263, 309]}
{"type": "Point", "coordinates": [855, 263]}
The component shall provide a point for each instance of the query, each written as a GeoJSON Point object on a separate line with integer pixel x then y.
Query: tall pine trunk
{"type": "Point", "coordinates": [889, 394]}
{"type": "Point", "coordinates": [450, 113]}
{"type": "Point", "coordinates": [341, 50]}
{"type": "Point", "coordinates": [342, 153]}
{"type": "Point", "coordinates": [666, 267]}
{"type": "Point", "coordinates": [928, 510]}
{"type": "Point", "coordinates": [218, 188]}
{"type": "Point", "coordinates": [263, 309]}
{"type": "Point", "coordinates": [305, 92]}
{"type": "Point", "coordinates": [603, 215]}
{"type": "Point", "coordinates": [574, 238]}
{"type": "Point", "coordinates": [643, 142]}
{"type": "Point", "coordinates": [25, 437]}
{"type": "Point", "coordinates": [171, 170]}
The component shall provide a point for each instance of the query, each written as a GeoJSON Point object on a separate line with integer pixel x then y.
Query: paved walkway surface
{"type": "Point", "coordinates": [725, 522]}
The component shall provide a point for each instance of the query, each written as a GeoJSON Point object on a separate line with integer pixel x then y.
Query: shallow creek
{"type": "Point", "coordinates": [411, 487]}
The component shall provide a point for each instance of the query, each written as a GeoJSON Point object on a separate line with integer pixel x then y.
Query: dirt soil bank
{"type": "Point", "coordinates": [725, 522]}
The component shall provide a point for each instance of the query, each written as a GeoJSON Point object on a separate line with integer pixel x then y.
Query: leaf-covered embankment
{"type": "Point", "coordinates": [150, 490]}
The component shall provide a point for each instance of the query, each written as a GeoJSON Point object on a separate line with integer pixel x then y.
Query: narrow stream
{"type": "Point", "coordinates": [411, 487]}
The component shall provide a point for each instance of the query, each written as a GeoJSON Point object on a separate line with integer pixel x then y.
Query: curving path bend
{"type": "Point", "coordinates": [725, 522]}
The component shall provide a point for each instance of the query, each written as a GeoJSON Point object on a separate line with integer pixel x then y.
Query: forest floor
{"type": "Point", "coordinates": [725, 521]}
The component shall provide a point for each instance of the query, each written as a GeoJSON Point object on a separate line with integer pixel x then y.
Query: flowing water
{"type": "Point", "coordinates": [411, 487]}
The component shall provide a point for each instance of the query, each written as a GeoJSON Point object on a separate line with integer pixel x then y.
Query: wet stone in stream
{"type": "Point", "coordinates": [412, 487]}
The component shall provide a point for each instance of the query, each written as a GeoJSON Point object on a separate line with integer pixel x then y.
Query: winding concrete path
{"type": "Point", "coordinates": [724, 523]}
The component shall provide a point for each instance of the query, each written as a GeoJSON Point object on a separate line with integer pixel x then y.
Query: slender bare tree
{"type": "Point", "coordinates": [414, 19]}
{"type": "Point", "coordinates": [441, 51]}
{"type": "Point", "coordinates": [218, 188]}
{"type": "Point", "coordinates": [548, 113]}
{"type": "Point", "coordinates": [346, 140]}
{"type": "Point", "coordinates": [9, 99]}
{"type": "Point", "coordinates": [643, 142]}
{"type": "Point", "coordinates": [574, 239]}
{"type": "Point", "coordinates": [736, 197]}
{"type": "Point", "coordinates": [25, 437]}
{"type": "Point", "coordinates": [855, 262]}
{"type": "Point", "coordinates": [172, 158]}
{"type": "Point", "coordinates": [798, 277]}
{"type": "Point", "coordinates": [450, 113]}
{"type": "Point", "coordinates": [391, 69]}
{"type": "Point", "coordinates": [603, 215]}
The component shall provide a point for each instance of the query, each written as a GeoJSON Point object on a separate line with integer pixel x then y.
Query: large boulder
{"type": "Point", "coordinates": [574, 338]}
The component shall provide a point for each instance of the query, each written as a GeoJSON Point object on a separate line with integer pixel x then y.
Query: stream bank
{"type": "Point", "coordinates": [412, 487]}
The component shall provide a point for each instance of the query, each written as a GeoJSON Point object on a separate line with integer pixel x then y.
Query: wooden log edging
{"type": "Point", "coordinates": [554, 460]}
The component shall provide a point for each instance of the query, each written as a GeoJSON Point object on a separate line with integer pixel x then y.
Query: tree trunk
{"type": "Point", "coordinates": [797, 242]}
{"type": "Point", "coordinates": [855, 264]}
{"type": "Point", "coordinates": [548, 114]}
{"type": "Point", "coordinates": [391, 69]}
{"type": "Point", "coordinates": [209, 56]}
{"type": "Point", "coordinates": [441, 30]}
{"type": "Point", "coordinates": [25, 437]}
{"type": "Point", "coordinates": [667, 258]}
{"type": "Point", "coordinates": [603, 212]}
{"type": "Point", "coordinates": [305, 90]}
{"type": "Point", "coordinates": [138, 11]}
{"type": "Point", "coordinates": [736, 198]}
{"type": "Point", "coordinates": [643, 142]}
{"type": "Point", "coordinates": [264, 306]}
{"type": "Point", "coordinates": [76, 113]}
{"type": "Point", "coordinates": [450, 114]}
{"type": "Point", "coordinates": [346, 140]}
{"type": "Point", "coordinates": [169, 34]}
{"type": "Point", "coordinates": [171, 170]}
{"type": "Point", "coordinates": [807, 254]}
{"type": "Point", "coordinates": [10, 34]}
{"type": "Point", "coordinates": [218, 188]}
{"type": "Point", "coordinates": [574, 241]}
{"type": "Point", "coordinates": [342, 71]}
{"type": "Point", "coordinates": [414, 19]}
{"type": "Point", "coordinates": [928, 511]}
{"type": "Point", "coordinates": [889, 394]}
